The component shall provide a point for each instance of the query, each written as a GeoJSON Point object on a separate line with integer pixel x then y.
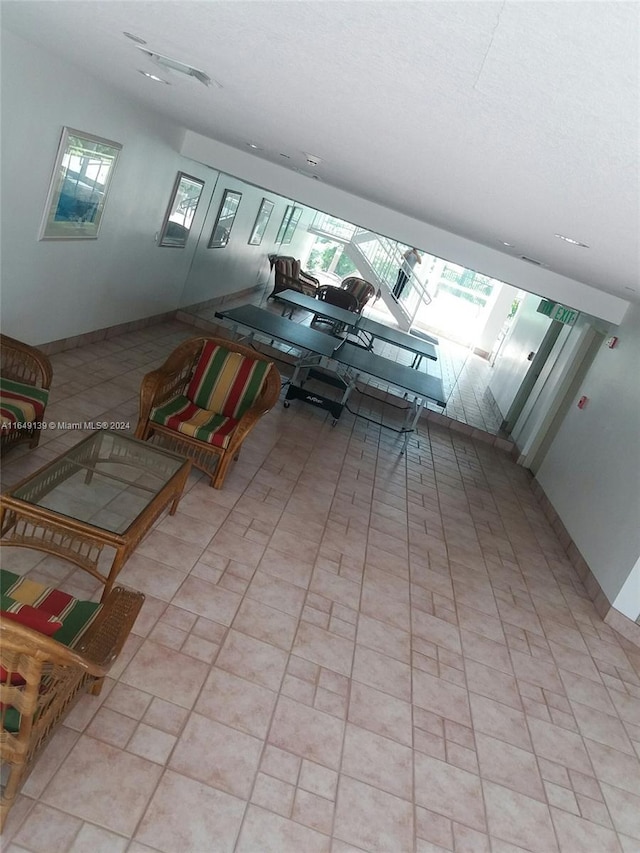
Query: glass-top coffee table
{"type": "Point", "coordinates": [105, 491]}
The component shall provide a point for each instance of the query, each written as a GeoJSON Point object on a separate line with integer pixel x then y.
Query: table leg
{"type": "Point", "coordinates": [182, 482]}
{"type": "Point", "coordinates": [417, 409]}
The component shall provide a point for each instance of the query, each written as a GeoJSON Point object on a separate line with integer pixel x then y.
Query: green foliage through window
{"type": "Point", "coordinates": [321, 255]}
{"type": "Point", "coordinates": [345, 266]}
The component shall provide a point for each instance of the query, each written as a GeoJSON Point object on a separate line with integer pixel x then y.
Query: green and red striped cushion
{"type": "Point", "coordinates": [74, 614]}
{"type": "Point", "coordinates": [37, 620]}
{"type": "Point", "coordinates": [46, 610]}
{"type": "Point", "coordinates": [226, 382]}
{"type": "Point", "coordinates": [21, 403]}
{"type": "Point", "coordinates": [181, 415]}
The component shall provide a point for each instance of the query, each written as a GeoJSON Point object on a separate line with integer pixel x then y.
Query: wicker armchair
{"type": "Point", "coordinates": [205, 400]}
{"type": "Point", "coordinates": [362, 290]}
{"type": "Point", "coordinates": [42, 676]}
{"type": "Point", "coordinates": [290, 276]}
{"type": "Point", "coordinates": [338, 297]}
{"type": "Point", "coordinates": [25, 379]}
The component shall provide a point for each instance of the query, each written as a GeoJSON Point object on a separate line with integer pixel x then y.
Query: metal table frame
{"type": "Point", "coordinates": [424, 346]}
{"type": "Point", "coordinates": [343, 358]}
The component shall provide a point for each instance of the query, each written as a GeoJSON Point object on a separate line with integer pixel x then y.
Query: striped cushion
{"type": "Point", "coordinates": [76, 616]}
{"type": "Point", "coordinates": [181, 415]}
{"type": "Point", "coordinates": [20, 596]}
{"type": "Point", "coordinates": [226, 382]}
{"type": "Point", "coordinates": [30, 617]}
{"type": "Point", "coordinates": [20, 403]}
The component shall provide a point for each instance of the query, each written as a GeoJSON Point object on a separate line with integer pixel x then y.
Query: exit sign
{"type": "Point", "coordinates": [568, 316]}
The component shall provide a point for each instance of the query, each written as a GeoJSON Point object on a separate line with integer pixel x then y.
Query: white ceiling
{"type": "Point", "coordinates": [498, 121]}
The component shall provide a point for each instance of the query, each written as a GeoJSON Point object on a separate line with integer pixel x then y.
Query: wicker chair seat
{"type": "Point", "coordinates": [181, 415]}
{"type": "Point", "coordinates": [75, 615]}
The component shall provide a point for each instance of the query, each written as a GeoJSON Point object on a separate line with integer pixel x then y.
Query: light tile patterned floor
{"type": "Point", "coordinates": [343, 650]}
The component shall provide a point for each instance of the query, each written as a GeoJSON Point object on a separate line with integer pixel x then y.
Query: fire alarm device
{"type": "Point", "coordinates": [612, 342]}
{"type": "Point", "coordinates": [582, 402]}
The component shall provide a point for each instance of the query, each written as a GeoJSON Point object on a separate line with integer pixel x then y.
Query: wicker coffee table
{"type": "Point", "coordinates": [105, 491]}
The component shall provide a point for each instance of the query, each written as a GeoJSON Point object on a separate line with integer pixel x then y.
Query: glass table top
{"type": "Point", "coordinates": [107, 480]}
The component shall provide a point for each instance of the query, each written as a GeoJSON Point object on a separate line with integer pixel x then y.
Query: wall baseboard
{"type": "Point", "coordinates": [217, 301]}
{"type": "Point", "coordinates": [616, 620]}
{"type": "Point", "coordinates": [53, 347]}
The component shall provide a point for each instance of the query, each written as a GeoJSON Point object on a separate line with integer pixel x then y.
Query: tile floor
{"type": "Point", "coordinates": [343, 650]}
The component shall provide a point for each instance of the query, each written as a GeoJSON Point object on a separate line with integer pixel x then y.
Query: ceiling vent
{"type": "Point", "coordinates": [175, 65]}
{"type": "Point", "coordinates": [532, 261]}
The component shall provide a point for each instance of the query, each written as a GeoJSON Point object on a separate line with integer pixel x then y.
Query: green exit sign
{"type": "Point", "coordinates": [568, 316]}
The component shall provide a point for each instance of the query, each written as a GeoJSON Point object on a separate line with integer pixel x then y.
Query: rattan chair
{"type": "Point", "coordinates": [360, 288]}
{"type": "Point", "coordinates": [289, 276]}
{"type": "Point", "coordinates": [42, 678]}
{"type": "Point", "coordinates": [205, 400]}
{"type": "Point", "coordinates": [25, 379]}
{"type": "Point", "coordinates": [338, 297]}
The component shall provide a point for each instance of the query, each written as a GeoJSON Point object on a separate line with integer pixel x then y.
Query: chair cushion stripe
{"type": "Point", "coordinates": [11, 413]}
{"type": "Point", "coordinates": [76, 615]}
{"type": "Point", "coordinates": [38, 396]}
{"type": "Point", "coordinates": [21, 403]}
{"type": "Point", "coordinates": [205, 376]}
{"type": "Point", "coordinates": [183, 416]}
{"type": "Point", "coordinates": [226, 382]}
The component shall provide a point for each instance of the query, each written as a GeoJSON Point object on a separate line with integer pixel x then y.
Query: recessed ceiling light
{"type": "Point", "coordinates": [136, 39]}
{"type": "Point", "coordinates": [508, 245]}
{"type": "Point", "coordinates": [254, 146]}
{"type": "Point", "coordinates": [572, 241]}
{"type": "Point", "coordinates": [153, 77]}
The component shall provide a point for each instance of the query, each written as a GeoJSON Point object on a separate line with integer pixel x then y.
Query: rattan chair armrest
{"type": "Point", "coordinates": [18, 638]}
{"type": "Point", "coordinates": [98, 648]}
{"type": "Point", "coordinates": [304, 276]}
{"type": "Point", "coordinates": [158, 387]}
{"type": "Point", "coordinates": [104, 640]}
{"type": "Point", "coordinates": [171, 379]}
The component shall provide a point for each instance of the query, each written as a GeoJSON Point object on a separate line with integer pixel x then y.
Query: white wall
{"type": "Point", "coordinates": [548, 395]}
{"type": "Point", "coordinates": [410, 231]}
{"type": "Point", "coordinates": [591, 472]}
{"type": "Point", "coordinates": [628, 599]}
{"type": "Point", "coordinates": [238, 266]}
{"type": "Point", "coordinates": [511, 366]}
{"type": "Point", "coordinates": [53, 290]}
